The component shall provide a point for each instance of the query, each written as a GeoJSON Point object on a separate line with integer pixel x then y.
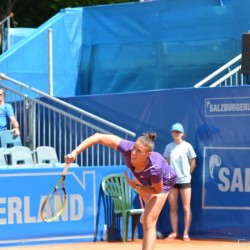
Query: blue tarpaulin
{"type": "Point", "coordinates": [130, 47]}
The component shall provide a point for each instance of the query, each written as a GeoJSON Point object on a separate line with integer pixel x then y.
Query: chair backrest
{"type": "Point", "coordinates": [73, 165]}
{"type": "Point", "coordinates": [3, 163]}
{"type": "Point", "coordinates": [62, 165]}
{"type": "Point", "coordinates": [43, 165]}
{"type": "Point", "coordinates": [46, 154]}
{"type": "Point", "coordinates": [21, 156]}
{"type": "Point", "coordinates": [8, 139]}
{"type": "Point", "coordinates": [116, 186]}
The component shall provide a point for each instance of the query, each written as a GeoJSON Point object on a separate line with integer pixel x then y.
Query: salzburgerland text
{"type": "Point", "coordinates": [229, 107]}
{"type": "Point", "coordinates": [239, 106]}
{"type": "Point", "coordinates": [17, 210]}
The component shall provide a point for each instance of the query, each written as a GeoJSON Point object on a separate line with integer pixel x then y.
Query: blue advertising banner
{"type": "Point", "coordinates": [216, 123]}
{"type": "Point", "coordinates": [226, 180]}
{"type": "Point", "coordinates": [22, 194]}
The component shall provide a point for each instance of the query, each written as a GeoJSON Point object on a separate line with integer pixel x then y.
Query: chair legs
{"type": "Point", "coordinates": [111, 231]}
{"type": "Point", "coordinates": [125, 222]}
{"type": "Point", "coordinates": [124, 228]}
{"type": "Point", "coordinates": [135, 219]}
{"type": "Point", "coordinates": [125, 219]}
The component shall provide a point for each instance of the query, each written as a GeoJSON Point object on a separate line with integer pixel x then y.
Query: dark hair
{"type": "Point", "coordinates": [147, 140]}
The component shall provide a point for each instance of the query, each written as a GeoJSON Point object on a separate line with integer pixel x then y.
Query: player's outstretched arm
{"type": "Point", "coordinates": [108, 140]}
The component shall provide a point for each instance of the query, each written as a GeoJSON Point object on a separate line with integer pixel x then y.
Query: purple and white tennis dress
{"type": "Point", "coordinates": [156, 170]}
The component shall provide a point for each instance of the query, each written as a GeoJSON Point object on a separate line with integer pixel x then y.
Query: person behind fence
{"type": "Point", "coordinates": [153, 178]}
{"type": "Point", "coordinates": [7, 115]}
{"type": "Point", "coordinates": [180, 155]}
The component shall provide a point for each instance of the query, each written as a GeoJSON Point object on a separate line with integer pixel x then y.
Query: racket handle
{"type": "Point", "coordinates": [65, 170]}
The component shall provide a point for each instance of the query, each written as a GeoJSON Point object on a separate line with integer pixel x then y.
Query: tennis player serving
{"type": "Point", "coordinates": [153, 178]}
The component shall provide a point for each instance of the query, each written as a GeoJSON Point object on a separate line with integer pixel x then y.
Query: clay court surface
{"type": "Point", "coordinates": [160, 245]}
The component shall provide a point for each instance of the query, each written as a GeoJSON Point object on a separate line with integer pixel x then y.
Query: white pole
{"type": "Point", "coordinates": [50, 56]}
{"type": "Point", "coordinates": [8, 32]}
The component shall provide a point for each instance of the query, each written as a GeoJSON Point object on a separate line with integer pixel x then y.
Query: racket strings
{"type": "Point", "coordinates": [54, 205]}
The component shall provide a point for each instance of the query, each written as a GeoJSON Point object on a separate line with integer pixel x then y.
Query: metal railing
{"type": "Point", "coordinates": [49, 121]}
{"type": "Point", "coordinates": [227, 75]}
{"type": "Point", "coordinates": [5, 33]}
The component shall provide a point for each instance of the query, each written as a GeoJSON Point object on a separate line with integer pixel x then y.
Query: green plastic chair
{"type": "Point", "coordinates": [116, 187]}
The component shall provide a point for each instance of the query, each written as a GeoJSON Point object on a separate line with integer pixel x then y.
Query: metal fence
{"type": "Point", "coordinates": [227, 75]}
{"type": "Point", "coordinates": [5, 33]}
{"type": "Point", "coordinates": [49, 121]}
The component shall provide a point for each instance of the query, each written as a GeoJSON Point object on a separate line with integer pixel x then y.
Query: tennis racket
{"type": "Point", "coordinates": [55, 202]}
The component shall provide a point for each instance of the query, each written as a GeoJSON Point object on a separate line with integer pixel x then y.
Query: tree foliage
{"type": "Point", "coordinates": [33, 13]}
